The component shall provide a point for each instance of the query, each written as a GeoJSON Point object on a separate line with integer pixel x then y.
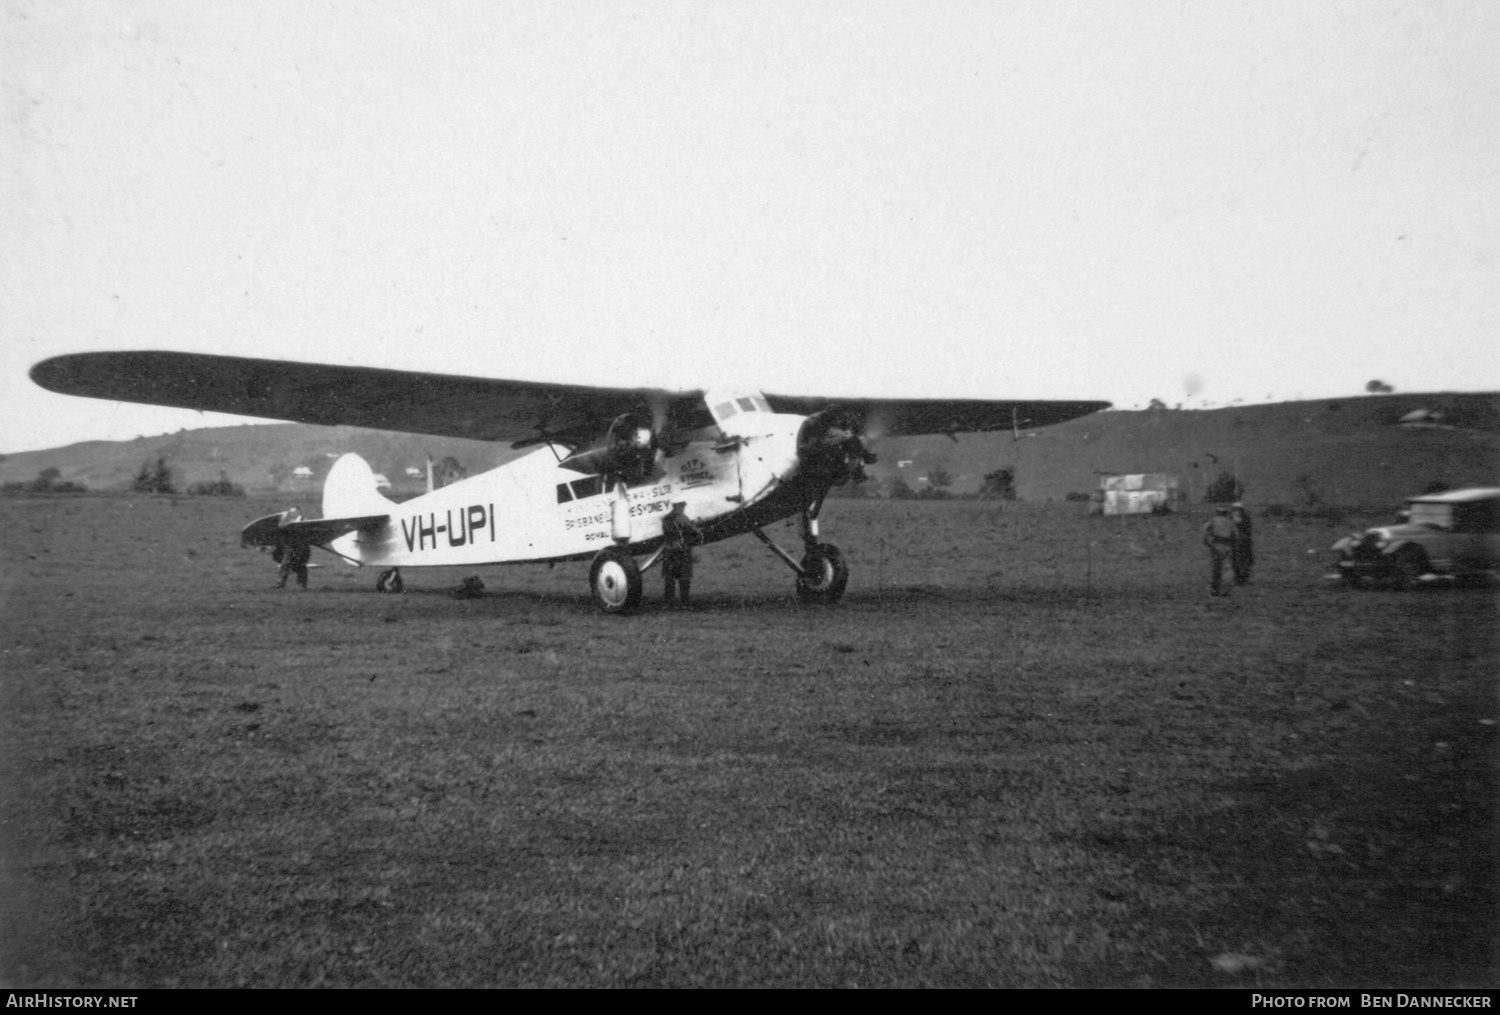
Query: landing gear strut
{"type": "Point", "coordinates": [390, 581]}
{"type": "Point", "coordinates": [822, 574]}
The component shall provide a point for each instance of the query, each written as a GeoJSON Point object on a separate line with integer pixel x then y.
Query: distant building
{"type": "Point", "coordinates": [1423, 417]}
{"type": "Point", "coordinates": [1139, 493]}
{"type": "Point", "coordinates": [302, 472]}
{"type": "Point", "coordinates": [381, 483]}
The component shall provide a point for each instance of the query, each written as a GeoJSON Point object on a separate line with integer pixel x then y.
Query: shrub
{"type": "Point", "coordinates": [1224, 490]}
{"type": "Point", "coordinates": [46, 481]}
{"type": "Point", "coordinates": [999, 485]}
{"type": "Point", "coordinates": [900, 489]}
{"type": "Point", "coordinates": [154, 480]}
{"type": "Point", "coordinates": [220, 487]}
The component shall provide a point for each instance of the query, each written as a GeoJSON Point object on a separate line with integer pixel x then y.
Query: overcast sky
{"type": "Point", "coordinates": [1195, 201]}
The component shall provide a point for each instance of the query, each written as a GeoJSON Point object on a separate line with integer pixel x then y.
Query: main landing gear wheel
{"type": "Point", "coordinates": [389, 581]}
{"type": "Point", "coordinates": [824, 574]}
{"type": "Point", "coordinates": [615, 579]}
{"type": "Point", "coordinates": [1407, 567]}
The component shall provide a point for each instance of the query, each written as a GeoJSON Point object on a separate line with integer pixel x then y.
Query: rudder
{"type": "Point", "coordinates": [350, 490]}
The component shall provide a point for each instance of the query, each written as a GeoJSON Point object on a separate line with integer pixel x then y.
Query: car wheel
{"type": "Point", "coordinates": [1407, 566]}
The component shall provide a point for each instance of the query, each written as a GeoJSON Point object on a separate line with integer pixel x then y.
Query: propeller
{"type": "Point", "coordinates": [832, 445]}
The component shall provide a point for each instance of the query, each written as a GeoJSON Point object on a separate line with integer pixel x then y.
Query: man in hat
{"type": "Point", "coordinates": [1219, 537]}
{"type": "Point", "coordinates": [293, 554]}
{"type": "Point", "coordinates": [678, 533]}
{"type": "Point", "coordinates": [293, 558]}
{"type": "Point", "coordinates": [1242, 556]}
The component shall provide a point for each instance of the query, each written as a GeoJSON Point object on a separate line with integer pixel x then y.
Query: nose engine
{"type": "Point", "coordinates": [831, 447]}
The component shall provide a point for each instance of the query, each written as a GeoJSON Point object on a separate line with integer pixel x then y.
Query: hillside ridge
{"type": "Point", "coordinates": [1343, 451]}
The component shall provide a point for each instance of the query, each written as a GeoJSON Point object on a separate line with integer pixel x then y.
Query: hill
{"type": "Point", "coordinates": [260, 458]}
{"type": "Point", "coordinates": [1348, 452]}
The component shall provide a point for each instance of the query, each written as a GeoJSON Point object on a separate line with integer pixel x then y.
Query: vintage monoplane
{"type": "Point", "coordinates": [602, 466]}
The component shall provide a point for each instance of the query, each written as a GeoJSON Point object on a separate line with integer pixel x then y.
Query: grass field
{"type": "Point", "coordinates": [1028, 749]}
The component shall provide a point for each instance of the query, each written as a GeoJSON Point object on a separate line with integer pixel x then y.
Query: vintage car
{"type": "Point", "coordinates": [1455, 534]}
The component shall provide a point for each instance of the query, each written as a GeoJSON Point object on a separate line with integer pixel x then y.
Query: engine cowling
{"type": "Point", "coordinates": [628, 453]}
{"type": "Point", "coordinates": [831, 447]}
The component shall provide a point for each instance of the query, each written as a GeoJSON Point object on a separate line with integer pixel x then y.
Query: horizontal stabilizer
{"type": "Point", "coordinates": [273, 530]}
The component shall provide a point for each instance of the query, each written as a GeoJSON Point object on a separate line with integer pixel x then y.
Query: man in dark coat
{"type": "Point", "coordinates": [678, 535]}
{"type": "Point", "coordinates": [293, 558]}
{"type": "Point", "coordinates": [1242, 556]}
{"type": "Point", "coordinates": [1219, 537]}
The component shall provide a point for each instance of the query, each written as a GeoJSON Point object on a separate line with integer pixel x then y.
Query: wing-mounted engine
{"type": "Point", "coordinates": [629, 453]}
{"type": "Point", "coordinates": [831, 447]}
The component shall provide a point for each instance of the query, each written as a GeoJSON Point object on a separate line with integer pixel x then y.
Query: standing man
{"type": "Point", "coordinates": [1243, 556]}
{"type": "Point", "coordinates": [293, 558]}
{"type": "Point", "coordinates": [678, 533]}
{"type": "Point", "coordinates": [293, 554]}
{"type": "Point", "coordinates": [1219, 537]}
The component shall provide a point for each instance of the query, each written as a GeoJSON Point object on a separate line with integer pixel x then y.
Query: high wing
{"type": "Point", "coordinates": [443, 405]}
{"type": "Point", "coordinates": [911, 417]}
{"type": "Point", "coordinates": [521, 412]}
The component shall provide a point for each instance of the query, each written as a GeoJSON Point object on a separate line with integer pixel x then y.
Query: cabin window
{"type": "Point", "coordinates": [587, 487]}
{"type": "Point", "coordinates": [563, 496]}
{"type": "Point", "coordinates": [746, 404]}
{"type": "Point", "coordinates": [762, 404]}
{"type": "Point", "coordinates": [1481, 516]}
{"type": "Point", "coordinates": [724, 410]}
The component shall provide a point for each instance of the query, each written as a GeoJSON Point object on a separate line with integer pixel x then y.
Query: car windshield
{"type": "Point", "coordinates": [1437, 515]}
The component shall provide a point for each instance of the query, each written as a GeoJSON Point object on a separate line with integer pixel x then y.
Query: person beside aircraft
{"type": "Point", "coordinates": [293, 558]}
{"type": "Point", "coordinates": [678, 535]}
{"type": "Point", "coordinates": [1242, 556]}
{"type": "Point", "coordinates": [1219, 537]}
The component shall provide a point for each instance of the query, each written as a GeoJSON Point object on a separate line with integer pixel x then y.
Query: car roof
{"type": "Point", "coordinates": [1472, 493]}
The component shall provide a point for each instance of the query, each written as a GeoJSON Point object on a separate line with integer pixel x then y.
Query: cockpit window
{"type": "Point", "coordinates": [746, 404]}
{"type": "Point", "coordinates": [563, 496]}
{"type": "Point", "coordinates": [724, 410]}
{"type": "Point", "coordinates": [587, 487]}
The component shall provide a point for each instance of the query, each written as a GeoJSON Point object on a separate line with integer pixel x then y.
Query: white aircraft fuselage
{"type": "Point", "coordinates": [732, 478]}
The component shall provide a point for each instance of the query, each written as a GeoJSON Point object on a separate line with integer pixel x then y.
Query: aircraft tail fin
{"type": "Point", "coordinates": [350, 490]}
